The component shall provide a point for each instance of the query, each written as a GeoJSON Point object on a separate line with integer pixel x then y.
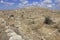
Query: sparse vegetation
{"type": "Point", "coordinates": [30, 23]}
{"type": "Point", "coordinates": [48, 21]}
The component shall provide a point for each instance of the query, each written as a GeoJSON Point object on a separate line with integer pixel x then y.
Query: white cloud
{"type": "Point", "coordinates": [22, 1]}
{"type": "Point", "coordinates": [7, 3]}
{"type": "Point", "coordinates": [57, 1]}
{"type": "Point", "coordinates": [15, 0]}
{"type": "Point", "coordinates": [19, 6]}
{"type": "Point", "coordinates": [25, 2]}
{"type": "Point", "coordinates": [1, 1]}
{"type": "Point", "coordinates": [49, 5]}
{"type": "Point", "coordinates": [48, 1]}
{"type": "Point", "coordinates": [35, 3]}
{"type": "Point", "coordinates": [45, 3]}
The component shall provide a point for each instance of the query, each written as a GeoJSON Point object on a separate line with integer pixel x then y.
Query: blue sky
{"type": "Point", "coordinates": [15, 4]}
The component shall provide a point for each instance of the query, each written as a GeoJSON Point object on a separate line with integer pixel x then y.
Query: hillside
{"type": "Point", "coordinates": [30, 23]}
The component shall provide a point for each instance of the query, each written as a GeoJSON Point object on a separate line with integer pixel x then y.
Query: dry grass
{"type": "Point", "coordinates": [32, 23]}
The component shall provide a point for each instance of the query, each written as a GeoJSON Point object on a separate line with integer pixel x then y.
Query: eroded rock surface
{"type": "Point", "coordinates": [31, 23]}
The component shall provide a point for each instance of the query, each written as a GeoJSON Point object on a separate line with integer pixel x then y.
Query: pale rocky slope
{"type": "Point", "coordinates": [31, 23]}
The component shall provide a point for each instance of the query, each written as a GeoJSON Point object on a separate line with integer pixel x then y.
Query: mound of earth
{"type": "Point", "coordinates": [30, 23]}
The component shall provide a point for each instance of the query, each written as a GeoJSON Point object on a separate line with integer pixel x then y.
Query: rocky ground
{"type": "Point", "coordinates": [31, 23]}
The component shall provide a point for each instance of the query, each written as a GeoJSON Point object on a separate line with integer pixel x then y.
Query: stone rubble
{"type": "Point", "coordinates": [13, 35]}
